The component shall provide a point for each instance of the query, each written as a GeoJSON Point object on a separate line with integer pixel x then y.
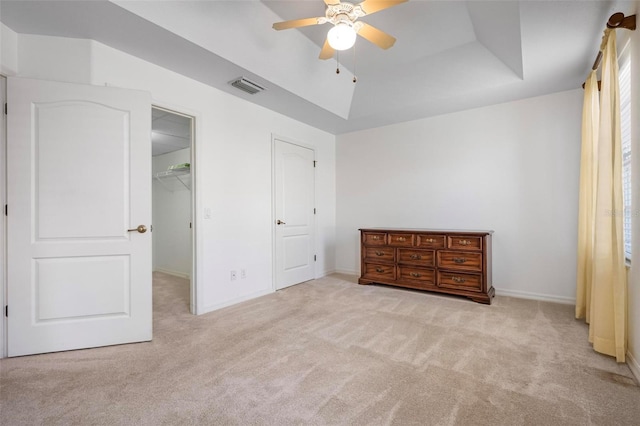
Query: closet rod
{"type": "Point", "coordinates": [617, 20]}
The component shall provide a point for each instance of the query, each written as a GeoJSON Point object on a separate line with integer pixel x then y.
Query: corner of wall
{"type": "Point", "coordinates": [8, 51]}
{"type": "Point", "coordinates": [633, 351]}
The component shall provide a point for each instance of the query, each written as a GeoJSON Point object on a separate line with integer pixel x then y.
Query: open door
{"type": "Point", "coordinates": [79, 211]}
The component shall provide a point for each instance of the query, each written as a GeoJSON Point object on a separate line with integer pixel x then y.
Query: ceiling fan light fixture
{"type": "Point", "coordinates": [342, 36]}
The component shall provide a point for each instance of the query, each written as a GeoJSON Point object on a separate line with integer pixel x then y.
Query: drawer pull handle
{"type": "Point", "coordinates": [415, 257]}
{"type": "Point", "coordinates": [379, 270]}
{"type": "Point", "coordinates": [415, 274]}
{"type": "Point", "coordinates": [459, 259]}
{"type": "Point", "coordinates": [430, 240]}
{"type": "Point", "coordinates": [464, 242]}
{"type": "Point", "coordinates": [379, 253]}
{"type": "Point", "coordinates": [401, 239]}
{"type": "Point", "coordinates": [375, 237]}
{"type": "Point", "coordinates": [458, 279]}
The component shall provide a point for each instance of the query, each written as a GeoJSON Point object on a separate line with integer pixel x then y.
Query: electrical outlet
{"type": "Point", "coordinates": [234, 275]}
{"type": "Point", "coordinates": [243, 273]}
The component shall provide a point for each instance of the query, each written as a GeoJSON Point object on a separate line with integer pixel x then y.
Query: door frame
{"type": "Point", "coordinates": [3, 229]}
{"type": "Point", "coordinates": [196, 243]}
{"type": "Point", "coordinates": [274, 137]}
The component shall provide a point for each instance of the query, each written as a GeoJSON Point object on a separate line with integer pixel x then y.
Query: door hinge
{"type": "Point", "coordinates": [190, 225]}
{"type": "Point", "coordinates": [6, 311]}
{"type": "Point", "coordinates": [314, 163]}
{"type": "Point", "coordinates": [5, 109]}
{"type": "Point", "coordinates": [314, 210]}
{"type": "Point", "coordinates": [6, 210]}
{"type": "Point", "coordinates": [314, 258]}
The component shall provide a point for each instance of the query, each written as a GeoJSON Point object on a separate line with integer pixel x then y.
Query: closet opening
{"type": "Point", "coordinates": [172, 138]}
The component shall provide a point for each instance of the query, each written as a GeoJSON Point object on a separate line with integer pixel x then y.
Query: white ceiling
{"type": "Point", "coordinates": [169, 132]}
{"type": "Point", "coordinates": [449, 55]}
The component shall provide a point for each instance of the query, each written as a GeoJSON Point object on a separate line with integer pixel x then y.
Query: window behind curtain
{"type": "Point", "coordinates": [625, 127]}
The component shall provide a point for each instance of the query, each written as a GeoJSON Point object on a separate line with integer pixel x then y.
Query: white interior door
{"type": "Point", "coordinates": [78, 177]}
{"type": "Point", "coordinates": [294, 211]}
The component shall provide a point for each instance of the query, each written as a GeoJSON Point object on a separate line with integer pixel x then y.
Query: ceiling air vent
{"type": "Point", "coordinates": [246, 85]}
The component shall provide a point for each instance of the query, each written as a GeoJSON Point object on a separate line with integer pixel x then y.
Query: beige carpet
{"type": "Point", "coordinates": [332, 352]}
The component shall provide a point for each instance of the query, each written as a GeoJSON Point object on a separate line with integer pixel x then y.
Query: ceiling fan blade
{"type": "Point", "coordinates": [373, 6]}
{"type": "Point", "coordinates": [375, 36]}
{"type": "Point", "coordinates": [296, 23]}
{"type": "Point", "coordinates": [327, 51]}
{"type": "Point", "coordinates": [331, 2]}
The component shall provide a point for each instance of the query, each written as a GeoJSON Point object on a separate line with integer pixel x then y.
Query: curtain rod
{"type": "Point", "coordinates": [617, 20]}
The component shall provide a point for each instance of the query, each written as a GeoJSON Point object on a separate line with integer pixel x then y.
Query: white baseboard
{"type": "Point", "coordinates": [536, 296]}
{"type": "Point", "coordinates": [174, 273]}
{"type": "Point", "coordinates": [347, 272]}
{"type": "Point", "coordinates": [325, 273]}
{"type": "Point", "coordinates": [211, 308]}
{"type": "Point", "coordinates": [632, 362]}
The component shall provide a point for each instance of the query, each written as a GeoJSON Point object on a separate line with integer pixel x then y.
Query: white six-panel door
{"type": "Point", "coordinates": [78, 177]}
{"type": "Point", "coordinates": [294, 213]}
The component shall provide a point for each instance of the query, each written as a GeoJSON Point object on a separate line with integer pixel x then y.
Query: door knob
{"type": "Point", "coordinates": [141, 229]}
{"type": "Point", "coordinates": [279, 222]}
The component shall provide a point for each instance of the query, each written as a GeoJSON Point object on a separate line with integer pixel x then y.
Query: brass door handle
{"type": "Point", "coordinates": [141, 229]}
{"type": "Point", "coordinates": [379, 270]}
{"type": "Point", "coordinates": [459, 259]}
{"type": "Point", "coordinates": [458, 279]}
{"type": "Point", "coordinates": [415, 274]}
{"type": "Point", "coordinates": [279, 222]}
{"type": "Point", "coordinates": [379, 253]}
{"type": "Point", "coordinates": [415, 257]}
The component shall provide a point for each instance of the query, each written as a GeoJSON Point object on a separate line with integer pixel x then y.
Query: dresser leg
{"type": "Point", "coordinates": [484, 298]}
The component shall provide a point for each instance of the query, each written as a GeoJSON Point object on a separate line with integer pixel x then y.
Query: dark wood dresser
{"type": "Point", "coordinates": [446, 261]}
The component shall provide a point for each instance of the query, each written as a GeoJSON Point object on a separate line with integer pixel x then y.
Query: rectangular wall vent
{"type": "Point", "coordinates": [246, 85]}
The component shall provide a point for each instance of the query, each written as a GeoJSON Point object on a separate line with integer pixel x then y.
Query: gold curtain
{"type": "Point", "coordinates": [586, 210]}
{"type": "Point", "coordinates": [602, 285]}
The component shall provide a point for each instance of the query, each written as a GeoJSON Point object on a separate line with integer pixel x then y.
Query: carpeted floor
{"type": "Point", "coordinates": [332, 352]}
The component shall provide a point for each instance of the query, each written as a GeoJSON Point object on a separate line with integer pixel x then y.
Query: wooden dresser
{"type": "Point", "coordinates": [452, 262]}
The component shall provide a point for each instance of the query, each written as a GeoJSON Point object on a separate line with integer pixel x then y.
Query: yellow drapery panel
{"type": "Point", "coordinates": [586, 210]}
{"type": "Point", "coordinates": [607, 311]}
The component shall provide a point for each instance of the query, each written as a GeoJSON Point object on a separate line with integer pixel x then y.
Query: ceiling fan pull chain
{"type": "Point", "coordinates": [354, 64]}
{"type": "Point", "coordinates": [338, 61]}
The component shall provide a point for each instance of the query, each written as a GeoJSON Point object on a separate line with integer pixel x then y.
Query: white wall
{"type": "Point", "coordinates": [171, 217]}
{"type": "Point", "coordinates": [232, 167]}
{"type": "Point", "coordinates": [512, 168]}
{"type": "Point", "coordinates": [8, 51]}
{"type": "Point", "coordinates": [634, 281]}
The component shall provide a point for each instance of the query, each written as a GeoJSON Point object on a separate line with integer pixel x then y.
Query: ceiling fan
{"type": "Point", "coordinates": [343, 16]}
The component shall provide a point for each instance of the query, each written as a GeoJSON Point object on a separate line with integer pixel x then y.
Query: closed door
{"type": "Point", "coordinates": [78, 180]}
{"type": "Point", "coordinates": [294, 214]}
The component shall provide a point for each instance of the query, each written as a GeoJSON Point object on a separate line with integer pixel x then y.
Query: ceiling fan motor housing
{"type": "Point", "coordinates": [343, 12]}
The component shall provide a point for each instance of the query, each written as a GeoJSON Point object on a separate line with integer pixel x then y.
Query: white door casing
{"type": "Point", "coordinates": [294, 213]}
{"type": "Point", "coordinates": [78, 177]}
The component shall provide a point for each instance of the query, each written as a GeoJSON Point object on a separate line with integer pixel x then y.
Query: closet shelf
{"type": "Point", "coordinates": [181, 175]}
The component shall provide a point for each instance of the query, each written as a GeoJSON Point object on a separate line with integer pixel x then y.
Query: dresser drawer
{"type": "Point", "coordinates": [460, 281]}
{"type": "Point", "coordinates": [430, 241]}
{"type": "Point", "coordinates": [465, 243]}
{"type": "Point", "coordinates": [401, 240]}
{"type": "Point", "coordinates": [380, 253]}
{"type": "Point", "coordinates": [417, 275]}
{"type": "Point", "coordinates": [468, 261]}
{"type": "Point", "coordinates": [374, 238]}
{"type": "Point", "coordinates": [415, 257]}
{"type": "Point", "coordinates": [379, 271]}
